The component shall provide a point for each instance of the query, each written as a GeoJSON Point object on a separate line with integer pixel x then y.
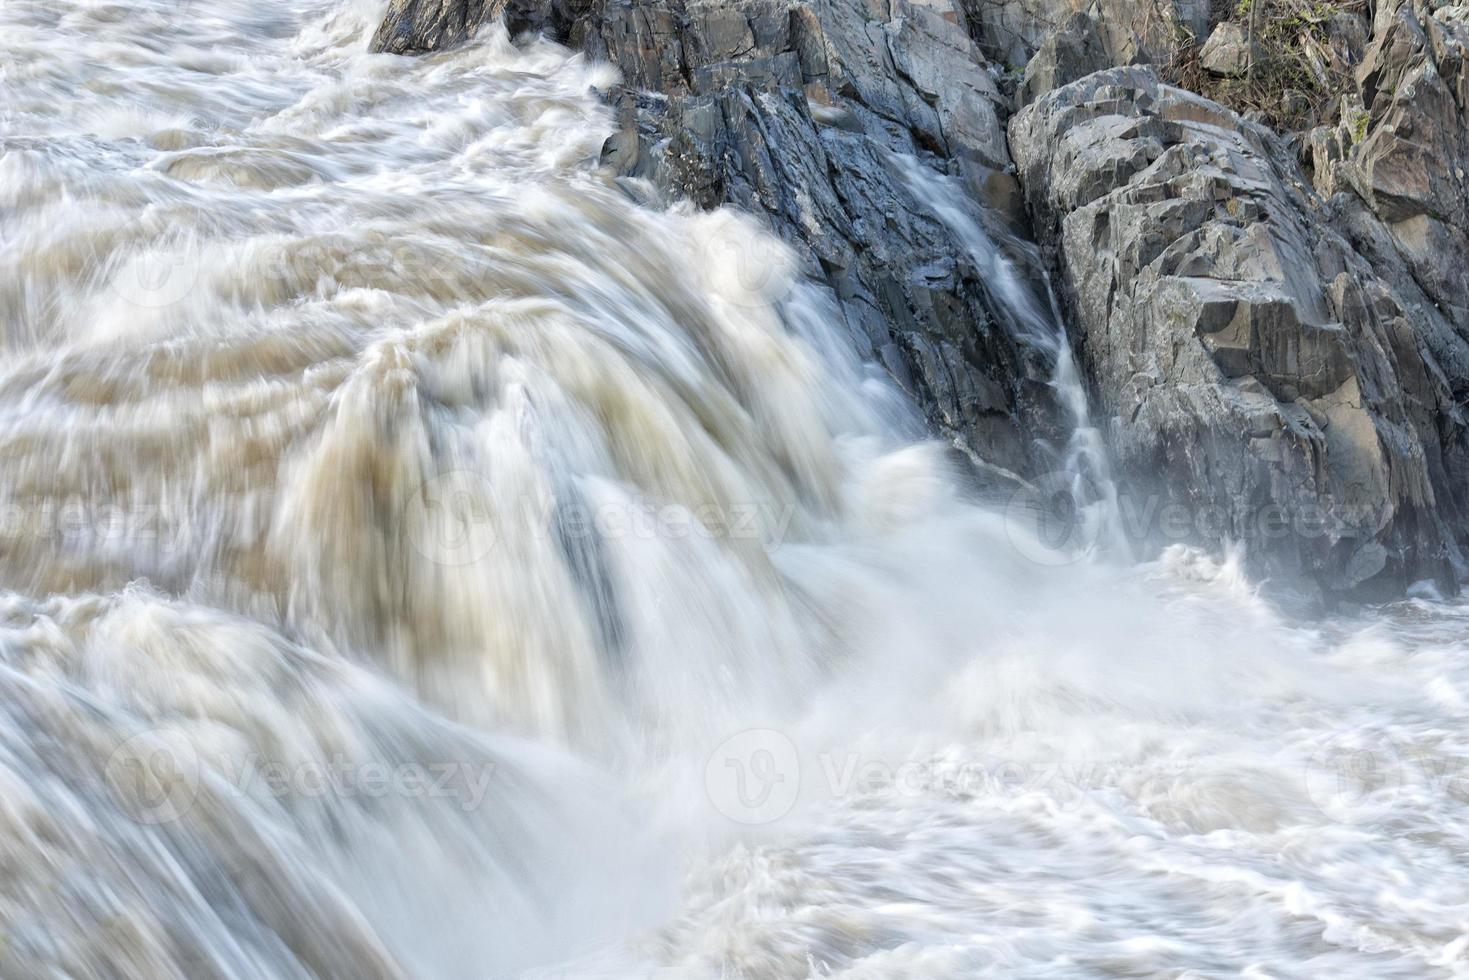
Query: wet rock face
{"type": "Point", "coordinates": [807, 114]}
{"type": "Point", "coordinates": [413, 26]}
{"type": "Point", "coordinates": [1256, 370]}
{"type": "Point", "coordinates": [420, 26]}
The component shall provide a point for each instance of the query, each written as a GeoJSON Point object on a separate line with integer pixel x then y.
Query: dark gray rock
{"type": "Point", "coordinates": [803, 114]}
{"type": "Point", "coordinates": [1069, 53]}
{"type": "Point", "coordinates": [411, 26]}
{"type": "Point", "coordinates": [1258, 372]}
{"type": "Point", "coordinates": [419, 26]}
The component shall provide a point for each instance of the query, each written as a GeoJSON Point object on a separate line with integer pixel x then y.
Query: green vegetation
{"type": "Point", "coordinates": [1359, 125]}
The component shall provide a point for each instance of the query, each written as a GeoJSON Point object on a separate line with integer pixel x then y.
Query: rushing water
{"type": "Point", "coordinates": [421, 560]}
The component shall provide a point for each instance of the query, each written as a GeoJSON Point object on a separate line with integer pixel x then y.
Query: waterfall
{"type": "Point", "coordinates": [1089, 519]}
{"type": "Point", "coordinates": [422, 560]}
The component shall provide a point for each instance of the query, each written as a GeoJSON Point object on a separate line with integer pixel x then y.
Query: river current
{"type": "Point", "coordinates": [422, 557]}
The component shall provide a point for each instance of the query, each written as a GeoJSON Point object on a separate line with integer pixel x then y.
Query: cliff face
{"type": "Point", "coordinates": [1399, 155]}
{"type": "Point", "coordinates": [1257, 369]}
{"type": "Point", "coordinates": [1277, 324]}
{"type": "Point", "coordinates": [1275, 327]}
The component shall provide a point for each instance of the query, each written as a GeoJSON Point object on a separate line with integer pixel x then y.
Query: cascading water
{"type": "Point", "coordinates": [423, 561]}
{"type": "Point", "coordinates": [1089, 520]}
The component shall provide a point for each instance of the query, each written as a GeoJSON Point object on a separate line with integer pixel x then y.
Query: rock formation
{"type": "Point", "coordinates": [1254, 367]}
{"type": "Point", "coordinates": [1012, 31]}
{"type": "Point", "coordinates": [420, 26]}
{"type": "Point", "coordinates": [1278, 350]}
{"type": "Point", "coordinates": [1408, 138]}
{"type": "Point", "coordinates": [807, 115]}
{"type": "Point", "coordinates": [1229, 50]}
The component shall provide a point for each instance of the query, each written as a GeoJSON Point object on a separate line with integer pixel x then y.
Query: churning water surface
{"type": "Point", "coordinates": [421, 560]}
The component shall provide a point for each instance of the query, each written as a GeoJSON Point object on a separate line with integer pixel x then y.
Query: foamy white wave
{"type": "Point", "coordinates": [420, 560]}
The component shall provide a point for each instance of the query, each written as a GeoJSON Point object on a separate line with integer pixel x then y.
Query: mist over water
{"type": "Point", "coordinates": [423, 559]}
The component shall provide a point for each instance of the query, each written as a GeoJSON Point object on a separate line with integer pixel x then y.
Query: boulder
{"type": "Point", "coordinates": [1013, 31]}
{"type": "Point", "coordinates": [1262, 382]}
{"type": "Point", "coordinates": [1228, 52]}
{"type": "Point", "coordinates": [1075, 50]}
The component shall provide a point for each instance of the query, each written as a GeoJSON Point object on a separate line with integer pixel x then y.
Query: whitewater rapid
{"type": "Point", "coordinates": [425, 556]}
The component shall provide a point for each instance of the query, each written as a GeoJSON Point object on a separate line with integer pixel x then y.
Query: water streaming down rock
{"type": "Point", "coordinates": [401, 520]}
{"type": "Point", "coordinates": [1090, 520]}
